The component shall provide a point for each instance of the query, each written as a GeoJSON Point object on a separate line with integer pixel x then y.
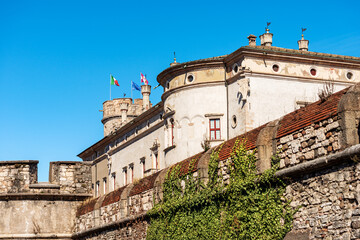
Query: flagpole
{"type": "Point", "coordinates": [131, 90]}
{"type": "Point", "coordinates": [110, 86]}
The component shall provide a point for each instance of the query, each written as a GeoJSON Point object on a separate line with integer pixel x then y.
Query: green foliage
{"type": "Point", "coordinates": [247, 206]}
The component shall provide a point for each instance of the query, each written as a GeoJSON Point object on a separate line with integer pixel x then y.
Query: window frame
{"type": "Point", "coordinates": [214, 129]}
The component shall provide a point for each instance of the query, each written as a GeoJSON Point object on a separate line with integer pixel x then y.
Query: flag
{"type": "Point", "coordinates": [113, 81]}
{"type": "Point", "coordinates": [143, 79]}
{"type": "Point", "coordinates": [135, 86]}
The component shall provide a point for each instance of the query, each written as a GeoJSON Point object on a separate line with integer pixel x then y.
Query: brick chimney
{"type": "Point", "coordinates": [252, 40]}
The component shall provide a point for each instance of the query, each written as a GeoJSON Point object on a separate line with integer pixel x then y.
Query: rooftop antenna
{"type": "Point", "coordinates": [267, 26]}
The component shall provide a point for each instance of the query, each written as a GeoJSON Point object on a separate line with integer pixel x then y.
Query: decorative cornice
{"type": "Point", "coordinates": [190, 86]}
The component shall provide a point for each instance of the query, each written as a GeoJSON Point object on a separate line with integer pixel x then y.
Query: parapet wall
{"type": "Point", "coordinates": [16, 176]}
{"type": "Point", "coordinates": [33, 210]}
{"type": "Point", "coordinates": [72, 177]}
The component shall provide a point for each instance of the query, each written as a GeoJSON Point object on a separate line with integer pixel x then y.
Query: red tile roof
{"type": "Point", "coordinates": [250, 142]}
{"type": "Point", "coordinates": [113, 196]}
{"type": "Point", "coordinates": [185, 165]}
{"type": "Point", "coordinates": [86, 207]}
{"type": "Point", "coordinates": [144, 184]}
{"type": "Point", "coordinates": [310, 114]}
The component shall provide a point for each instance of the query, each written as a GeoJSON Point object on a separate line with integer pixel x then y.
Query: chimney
{"type": "Point", "coordinates": [124, 109]}
{"type": "Point", "coordinates": [303, 44]}
{"type": "Point", "coordinates": [266, 38]}
{"type": "Point", "coordinates": [145, 91]}
{"type": "Point", "coordinates": [252, 40]}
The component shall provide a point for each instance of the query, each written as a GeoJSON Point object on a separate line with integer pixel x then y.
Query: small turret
{"type": "Point", "coordinates": [303, 44]}
{"type": "Point", "coordinates": [266, 38]}
{"type": "Point", "coordinates": [145, 91]}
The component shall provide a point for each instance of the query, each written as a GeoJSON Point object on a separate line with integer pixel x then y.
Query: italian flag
{"type": "Point", "coordinates": [113, 81]}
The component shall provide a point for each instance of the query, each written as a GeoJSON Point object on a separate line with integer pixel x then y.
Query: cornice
{"type": "Point", "coordinates": [174, 71]}
{"type": "Point", "coordinates": [190, 86]}
{"type": "Point", "coordinates": [293, 56]}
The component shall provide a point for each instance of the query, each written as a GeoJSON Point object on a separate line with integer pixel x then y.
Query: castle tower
{"type": "Point", "coordinates": [145, 91]}
{"type": "Point", "coordinates": [113, 114]}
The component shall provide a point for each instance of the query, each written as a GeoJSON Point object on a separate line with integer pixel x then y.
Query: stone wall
{"type": "Point", "coordinates": [328, 203]}
{"type": "Point", "coordinates": [33, 210]}
{"type": "Point", "coordinates": [73, 177]}
{"type": "Point", "coordinates": [316, 140]}
{"type": "Point", "coordinates": [16, 176]}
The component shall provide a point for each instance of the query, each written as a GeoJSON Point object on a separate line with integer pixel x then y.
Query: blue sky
{"type": "Point", "coordinates": [56, 57]}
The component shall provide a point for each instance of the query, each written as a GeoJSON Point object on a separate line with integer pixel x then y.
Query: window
{"type": "Point", "coordinates": [215, 129]}
{"type": "Point", "coordinates": [313, 72]}
{"type": "Point", "coordinates": [104, 185]}
{"type": "Point", "coordinates": [131, 167]}
{"type": "Point", "coordinates": [275, 68]}
{"type": "Point", "coordinates": [171, 132]}
{"type": "Point", "coordinates": [113, 180]}
{"type": "Point", "coordinates": [142, 162]}
{"type": "Point", "coordinates": [97, 186]}
{"type": "Point", "coordinates": [155, 160]}
{"type": "Point", "coordinates": [349, 75]}
{"type": "Point", "coordinates": [125, 175]}
{"type": "Point", "coordinates": [190, 78]}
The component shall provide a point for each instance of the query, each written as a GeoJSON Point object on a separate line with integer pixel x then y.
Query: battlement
{"type": "Point", "coordinates": [119, 111]}
{"type": "Point", "coordinates": [64, 177]}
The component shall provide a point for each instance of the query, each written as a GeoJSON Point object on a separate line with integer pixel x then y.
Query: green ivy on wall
{"type": "Point", "coordinates": [246, 206]}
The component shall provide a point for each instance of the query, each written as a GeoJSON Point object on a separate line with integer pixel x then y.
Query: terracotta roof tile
{"type": "Point", "coordinates": [113, 196]}
{"type": "Point", "coordinates": [86, 207]}
{"type": "Point", "coordinates": [310, 114]}
{"type": "Point", "coordinates": [185, 164]}
{"type": "Point", "coordinates": [250, 142]}
{"type": "Point", "coordinates": [144, 184]}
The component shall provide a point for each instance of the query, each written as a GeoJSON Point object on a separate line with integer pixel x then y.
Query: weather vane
{"type": "Point", "coordinates": [267, 26]}
{"type": "Point", "coordinates": [302, 31]}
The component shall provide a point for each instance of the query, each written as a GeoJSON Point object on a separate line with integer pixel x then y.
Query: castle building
{"type": "Point", "coordinates": [208, 101]}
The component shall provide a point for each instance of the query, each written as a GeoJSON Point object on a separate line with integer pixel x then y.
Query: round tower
{"type": "Point", "coordinates": [113, 115]}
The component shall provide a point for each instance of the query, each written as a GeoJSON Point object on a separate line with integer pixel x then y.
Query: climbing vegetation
{"type": "Point", "coordinates": [243, 205]}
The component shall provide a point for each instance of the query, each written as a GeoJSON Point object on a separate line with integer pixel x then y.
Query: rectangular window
{"type": "Point", "coordinates": [125, 175]}
{"type": "Point", "coordinates": [215, 129]}
{"type": "Point", "coordinates": [97, 186]}
{"type": "Point", "coordinates": [104, 182]}
{"type": "Point", "coordinates": [113, 180]}
{"type": "Point", "coordinates": [131, 167]}
{"type": "Point", "coordinates": [142, 162]}
{"type": "Point", "coordinates": [156, 160]}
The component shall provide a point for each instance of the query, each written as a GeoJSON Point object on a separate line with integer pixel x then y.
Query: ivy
{"type": "Point", "coordinates": [245, 206]}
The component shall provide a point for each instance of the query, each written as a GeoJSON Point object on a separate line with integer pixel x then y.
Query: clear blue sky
{"type": "Point", "coordinates": [56, 57]}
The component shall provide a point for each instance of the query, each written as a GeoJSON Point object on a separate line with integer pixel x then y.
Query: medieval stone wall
{"type": "Point", "coordinates": [33, 210]}
{"type": "Point", "coordinates": [16, 176]}
{"type": "Point", "coordinates": [328, 203]}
